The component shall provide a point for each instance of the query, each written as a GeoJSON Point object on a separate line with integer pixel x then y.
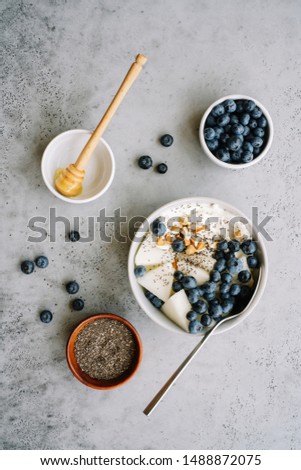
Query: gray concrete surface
{"type": "Point", "coordinates": [63, 61]}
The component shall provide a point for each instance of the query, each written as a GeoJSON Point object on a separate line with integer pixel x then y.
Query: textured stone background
{"type": "Point", "coordinates": [63, 63]}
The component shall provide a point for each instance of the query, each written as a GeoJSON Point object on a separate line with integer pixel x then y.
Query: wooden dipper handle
{"type": "Point", "coordinates": [90, 146]}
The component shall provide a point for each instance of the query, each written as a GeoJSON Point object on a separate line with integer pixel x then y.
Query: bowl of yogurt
{"type": "Point", "coordinates": [193, 262]}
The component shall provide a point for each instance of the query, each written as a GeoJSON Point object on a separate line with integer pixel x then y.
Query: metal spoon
{"type": "Point", "coordinates": [162, 392]}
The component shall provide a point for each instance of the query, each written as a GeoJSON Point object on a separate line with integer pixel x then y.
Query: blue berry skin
{"type": "Point", "coordinates": [192, 315]}
{"type": "Point", "coordinates": [214, 301]}
{"type": "Point", "coordinates": [193, 295]}
{"type": "Point", "coordinates": [225, 296]}
{"type": "Point", "coordinates": [74, 236]}
{"type": "Point", "coordinates": [236, 156]}
{"type": "Point", "coordinates": [229, 255]}
{"type": "Point", "coordinates": [27, 267]}
{"type": "Point", "coordinates": [220, 265]}
{"type": "Point", "coordinates": [248, 147]}
{"type": "Point", "coordinates": [206, 320]}
{"type": "Point", "coordinates": [249, 105]}
{"type": "Point", "coordinates": [201, 291]}
{"type": "Point", "coordinates": [178, 245]}
{"type": "Point", "coordinates": [223, 120]}
{"type": "Point", "coordinates": [178, 275]}
{"type": "Point", "coordinates": [72, 287]}
{"type": "Point", "coordinates": [46, 316]}
{"type": "Point", "coordinates": [226, 278]}
{"type": "Point", "coordinates": [223, 155]}
{"type": "Point", "coordinates": [148, 295]}
{"type": "Point", "coordinates": [224, 138]}
{"type": "Point", "coordinates": [78, 304]}
{"type": "Point", "coordinates": [158, 228]}
{"type": "Point", "coordinates": [219, 254]}
{"type": "Point", "coordinates": [145, 162]}
{"type": "Point", "coordinates": [252, 123]}
{"type": "Point", "coordinates": [209, 296]}
{"type": "Point", "coordinates": [253, 262]}
{"type": "Point", "coordinates": [222, 245]}
{"type": "Point", "coordinates": [162, 168]}
{"type": "Point", "coordinates": [249, 247]}
{"type": "Point", "coordinates": [42, 262]}
{"type": "Point", "coordinates": [244, 119]}
{"type": "Point", "coordinates": [256, 152]}
{"type": "Point", "coordinates": [218, 110]}
{"type": "Point", "coordinates": [224, 288]}
{"type": "Point", "coordinates": [195, 327]}
{"type": "Point", "coordinates": [259, 132]}
{"type": "Point", "coordinates": [234, 143]}
{"type": "Point", "coordinates": [256, 142]}
{"type": "Point", "coordinates": [139, 271]}
{"type": "Point", "coordinates": [245, 291]}
{"type": "Point", "coordinates": [234, 245]}
{"type": "Point", "coordinates": [210, 121]}
{"type": "Point", "coordinates": [230, 106]}
{"type": "Point", "coordinates": [212, 144]}
{"type": "Point", "coordinates": [256, 113]}
{"type": "Point", "coordinates": [209, 133]}
{"type": "Point", "coordinates": [227, 306]}
{"type": "Point", "coordinates": [155, 301]}
{"type": "Point", "coordinates": [215, 276]}
{"type": "Point", "coordinates": [244, 276]}
{"type": "Point", "coordinates": [166, 140]}
{"type": "Point", "coordinates": [218, 131]}
{"type": "Point", "coordinates": [177, 286]}
{"type": "Point", "coordinates": [262, 122]}
{"type": "Point", "coordinates": [209, 287]}
{"type": "Point", "coordinates": [237, 129]}
{"type": "Point", "coordinates": [189, 282]}
{"type": "Point", "coordinates": [234, 266]}
{"type": "Point", "coordinates": [234, 119]}
{"type": "Point", "coordinates": [215, 311]}
{"type": "Point", "coordinates": [246, 131]}
{"type": "Point", "coordinates": [239, 106]}
{"type": "Point", "coordinates": [200, 306]}
{"type": "Point", "coordinates": [235, 289]}
{"type": "Point", "coordinates": [246, 157]}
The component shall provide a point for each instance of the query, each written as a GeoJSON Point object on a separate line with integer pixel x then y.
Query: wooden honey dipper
{"type": "Point", "coordinates": [69, 181]}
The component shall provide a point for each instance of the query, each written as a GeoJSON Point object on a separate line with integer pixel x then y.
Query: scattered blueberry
{"type": "Point", "coordinates": [253, 262]}
{"type": "Point", "coordinates": [72, 287]}
{"type": "Point", "coordinates": [189, 282]}
{"type": "Point", "coordinates": [42, 262]}
{"type": "Point", "coordinates": [218, 110]}
{"type": "Point", "coordinates": [226, 277]}
{"type": "Point", "coordinates": [162, 168]}
{"type": "Point", "coordinates": [200, 306]}
{"type": "Point", "coordinates": [235, 289]}
{"type": "Point", "coordinates": [215, 311]}
{"type": "Point", "coordinates": [27, 267]}
{"type": "Point", "coordinates": [209, 133]}
{"type": "Point", "coordinates": [78, 304]}
{"type": "Point", "coordinates": [223, 120]}
{"type": "Point", "coordinates": [178, 275]}
{"type": "Point", "coordinates": [249, 105]}
{"type": "Point", "coordinates": [46, 316]}
{"type": "Point", "coordinates": [223, 155]}
{"type": "Point", "coordinates": [139, 271]}
{"type": "Point", "coordinates": [206, 320]}
{"type": "Point", "coordinates": [74, 236]}
{"type": "Point", "coordinates": [244, 276]}
{"type": "Point", "coordinates": [234, 265]}
{"type": "Point", "coordinates": [193, 295]}
{"type": "Point", "coordinates": [246, 157]}
{"type": "Point", "coordinates": [192, 315]}
{"type": "Point", "coordinates": [220, 265]}
{"type": "Point", "coordinates": [249, 247]}
{"type": "Point", "coordinates": [215, 276]}
{"type": "Point", "coordinates": [177, 286]}
{"type": "Point", "coordinates": [212, 145]}
{"type": "Point", "coordinates": [178, 245]}
{"type": "Point", "coordinates": [195, 327]}
{"type": "Point", "coordinates": [222, 245]}
{"type": "Point", "coordinates": [145, 162]}
{"type": "Point", "coordinates": [166, 140]}
{"type": "Point", "coordinates": [230, 106]}
{"type": "Point", "coordinates": [158, 228]}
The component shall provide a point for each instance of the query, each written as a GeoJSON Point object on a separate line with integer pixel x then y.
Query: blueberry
{"type": "Point", "coordinates": [46, 316]}
{"type": "Point", "coordinates": [195, 327]}
{"type": "Point", "coordinates": [178, 275]}
{"type": "Point", "coordinates": [256, 152]}
{"type": "Point", "coordinates": [235, 289]}
{"type": "Point", "coordinates": [162, 168]}
{"type": "Point", "coordinates": [259, 132]}
{"type": "Point", "coordinates": [224, 288]}
{"type": "Point", "coordinates": [229, 255]}
{"type": "Point", "coordinates": [244, 276]}
{"type": "Point", "coordinates": [215, 276]}
{"type": "Point", "coordinates": [74, 236]}
{"type": "Point", "coordinates": [148, 295]}
{"type": "Point", "coordinates": [214, 301]}
{"type": "Point", "coordinates": [177, 286]}
{"type": "Point", "coordinates": [192, 315]}
{"type": "Point", "coordinates": [200, 306]}
{"type": "Point", "coordinates": [246, 131]}
{"type": "Point", "coordinates": [230, 106]}
{"type": "Point", "coordinates": [139, 271]}
{"type": "Point", "coordinates": [145, 162]}
{"type": "Point", "coordinates": [236, 156]}
{"type": "Point", "coordinates": [206, 320]}
{"type": "Point", "coordinates": [224, 138]}
{"type": "Point", "coordinates": [166, 140]}
{"type": "Point", "coordinates": [226, 277]}
{"type": "Point", "coordinates": [234, 119]}
{"type": "Point", "coordinates": [227, 306]}
{"type": "Point", "coordinates": [262, 122]}
{"type": "Point", "coordinates": [237, 129]}
{"type": "Point", "coordinates": [239, 106]}
{"type": "Point", "coordinates": [248, 105]}
{"type": "Point", "coordinates": [253, 123]}
{"type": "Point", "coordinates": [42, 262]}
{"type": "Point", "coordinates": [253, 262]}
{"type": "Point", "coordinates": [249, 247]}
{"type": "Point", "coordinates": [212, 144]}
{"type": "Point", "coordinates": [218, 131]}
{"type": "Point", "coordinates": [189, 282]}
{"type": "Point", "coordinates": [27, 267]}
{"type": "Point", "coordinates": [209, 296]}
{"type": "Point", "coordinates": [222, 245]}
{"type": "Point", "coordinates": [209, 133]}
{"type": "Point", "coordinates": [201, 291]}
{"type": "Point", "coordinates": [248, 147]}
{"type": "Point", "coordinates": [234, 245]}
{"type": "Point", "coordinates": [244, 119]}
{"type": "Point", "coordinates": [218, 110]}
{"type": "Point", "coordinates": [223, 155]}
{"type": "Point", "coordinates": [220, 265]}
{"type": "Point", "coordinates": [256, 113]}
{"type": "Point", "coordinates": [78, 304]}
{"type": "Point", "coordinates": [245, 291]}
{"type": "Point", "coordinates": [219, 254]}
{"type": "Point", "coordinates": [72, 287]}
{"type": "Point", "coordinates": [234, 266]}
{"type": "Point", "coordinates": [246, 157]}
{"type": "Point", "coordinates": [256, 142]}
{"type": "Point", "coordinates": [215, 311]}
{"type": "Point", "coordinates": [223, 120]}
{"type": "Point", "coordinates": [178, 245]}
{"type": "Point", "coordinates": [234, 143]}
{"type": "Point", "coordinates": [193, 295]}
{"type": "Point", "coordinates": [210, 121]}
{"type": "Point", "coordinates": [156, 302]}
{"type": "Point", "coordinates": [158, 228]}
{"type": "Point", "coordinates": [209, 287]}
{"type": "Point", "coordinates": [225, 296]}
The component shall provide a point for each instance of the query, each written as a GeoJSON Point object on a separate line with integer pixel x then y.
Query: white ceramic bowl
{"type": "Point", "coordinates": [232, 166]}
{"type": "Point", "coordinates": [155, 314]}
{"type": "Point", "coordinates": [64, 149]}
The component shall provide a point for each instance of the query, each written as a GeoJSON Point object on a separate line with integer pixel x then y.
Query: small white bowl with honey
{"type": "Point", "coordinates": [64, 149]}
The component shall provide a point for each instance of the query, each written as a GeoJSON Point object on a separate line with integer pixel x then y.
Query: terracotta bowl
{"type": "Point", "coordinates": [103, 384]}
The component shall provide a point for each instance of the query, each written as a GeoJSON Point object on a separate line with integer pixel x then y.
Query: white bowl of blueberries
{"type": "Point", "coordinates": [236, 131]}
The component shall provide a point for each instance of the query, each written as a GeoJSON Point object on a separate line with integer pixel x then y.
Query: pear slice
{"type": "Point", "coordinates": [159, 281]}
{"type": "Point", "coordinates": [149, 254]}
{"type": "Point", "coordinates": [176, 309]}
{"type": "Point", "coordinates": [189, 269]}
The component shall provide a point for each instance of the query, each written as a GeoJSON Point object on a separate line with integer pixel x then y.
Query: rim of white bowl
{"type": "Point", "coordinates": [144, 303]}
{"type": "Point", "coordinates": [232, 166]}
{"type": "Point", "coordinates": [70, 200]}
